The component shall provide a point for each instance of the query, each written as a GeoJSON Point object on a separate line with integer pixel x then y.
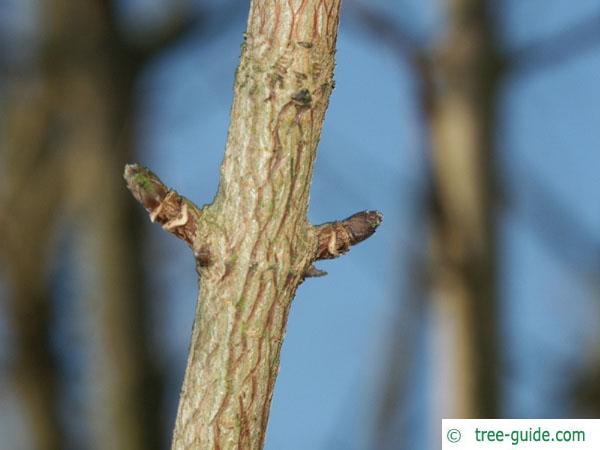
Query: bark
{"type": "Point", "coordinates": [253, 244]}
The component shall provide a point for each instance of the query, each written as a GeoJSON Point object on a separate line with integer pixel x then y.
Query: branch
{"type": "Point", "coordinates": [336, 238]}
{"type": "Point", "coordinates": [153, 41]}
{"type": "Point", "coordinates": [555, 49]}
{"type": "Point", "coordinates": [255, 234]}
{"type": "Point", "coordinates": [176, 28]}
{"type": "Point", "coordinates": [573, 242]}
{"type": "Point", "coordinates": [175, 213]}
{"type": "Point", "coordinates": [406, 46]}
{"type": "Point", "coordinates": [390, 31]}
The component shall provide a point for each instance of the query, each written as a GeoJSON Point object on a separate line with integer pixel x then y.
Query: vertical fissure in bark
{"type": "Point", "coordinates": [253, 244]}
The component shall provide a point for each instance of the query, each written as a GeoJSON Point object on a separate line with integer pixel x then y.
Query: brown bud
{"type": "Point", "coordinates": [173, 212]}
{"type": "Point", "coordinates": [336, 238]}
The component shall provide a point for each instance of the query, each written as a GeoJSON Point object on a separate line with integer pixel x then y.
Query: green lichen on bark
{"type": "Point", "coordinates": [256, 243]}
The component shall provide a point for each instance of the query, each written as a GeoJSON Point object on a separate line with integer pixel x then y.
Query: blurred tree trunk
{"type": "Point", "coordinates": [462, 108]}
{"type": "Point", "coordinates": [457, 93]}
{"type": "Point", "coordinates": [70, 130]}
{"type": "Point", "coordinates": [94, 69]}
{"type": "Point", "coordinates": [94, 83]}
{"type": "Point", "coordinates": [253, 244]}
{"type": "Point", "coordinates": [30, 193]}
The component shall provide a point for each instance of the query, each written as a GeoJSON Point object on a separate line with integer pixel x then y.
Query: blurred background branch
{"type": "Point", "coordinates": [558, 48]}
{"type": "Point", "coordinates": [474, 128]}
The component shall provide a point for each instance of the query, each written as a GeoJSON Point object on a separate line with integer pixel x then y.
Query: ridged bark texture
{"type": "Point", "coordinates": [256, 232]}
{"type": "Point", "coordinates": [253, 245]}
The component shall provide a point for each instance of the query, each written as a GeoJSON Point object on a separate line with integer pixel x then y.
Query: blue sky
{"type": "Point", "coordinates": [371, 156]}
{"type": "Point", "coordinates": [335, 348]}
{"type": "Point", "coordinates": [329, 364]}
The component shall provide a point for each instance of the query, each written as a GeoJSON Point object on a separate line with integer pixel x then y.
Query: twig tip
{"type": "Point", "coordinates": [336, 238]}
